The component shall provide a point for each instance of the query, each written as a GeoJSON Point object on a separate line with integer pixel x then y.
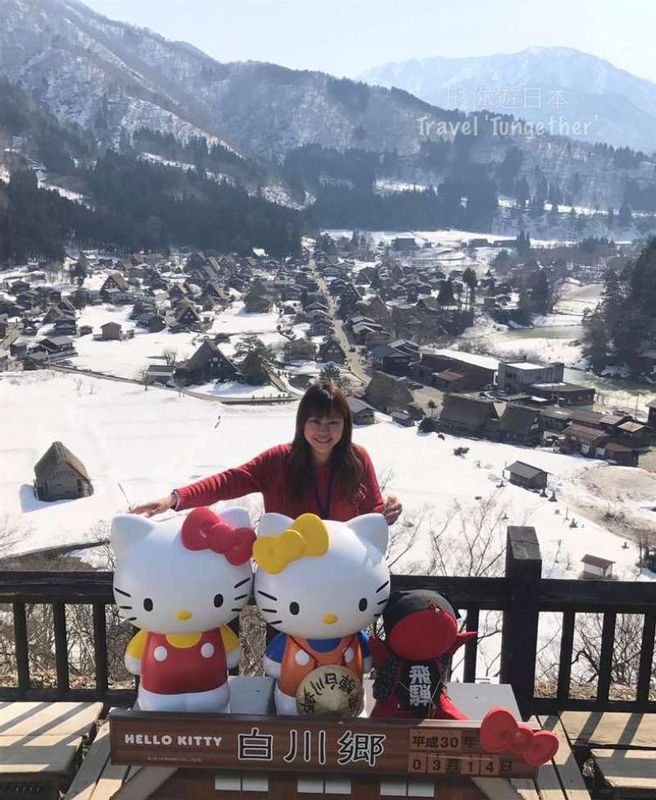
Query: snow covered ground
{"type": "Point", "coordinates": [125, 359]}
{"type": "Point", "coordinates": [447, 237]}
{"type": "Point", "coordinates": [138, 445]}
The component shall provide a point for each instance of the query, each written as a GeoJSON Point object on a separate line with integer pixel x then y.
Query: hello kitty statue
{"type": "Point", "coordinates": [319, 583]}
{"type": "Point", "coordinates": [181, 582]}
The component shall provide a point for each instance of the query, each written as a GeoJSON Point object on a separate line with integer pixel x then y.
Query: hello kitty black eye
{"type": "Point", "coordinates": [218, 600]}
{"type": "Point", "coordinates": [362, 605]}
{"type": "Point", "coordinates": [148, 604]}
{"type": "Point", "coordinates": [294, 608]}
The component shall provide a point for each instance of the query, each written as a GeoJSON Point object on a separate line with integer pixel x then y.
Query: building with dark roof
{"type": "Point", "coordinates": [60, 475]}
{"type": "Point", "coordinates": [466, 415]}
{"type": "Point", "coordinates": [527, 476]}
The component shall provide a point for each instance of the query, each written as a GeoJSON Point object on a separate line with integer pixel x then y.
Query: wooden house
{"type": "Point", "coordinates": [114, 283]}
{"type": "Point", "coordinates": [332, 350]}
{"type": "Point", "coordinates": [563, 393]}
{"type": "Point", "coordinates": [362, 412]}
{"type": "Point", "coordinates": [403, 418]}
{"type": "Point", "coordinates": [60, 475]}
{"type": "Point", "coordinates": [186, 317]}
{"type": "Point", "coordinates": [456, 370]}
{"type": "Point", "coordinates": [521, 425]}
{"type": "Point", "coordinates": [596, 567]}
{"type": "Point", "coordinates": [111, 331]}
{"type": "Point", "coordinates": [160, 374]}
{"type": "Point", "coordinates": [208, 363]}
{"type": "Point", "coordinates": [466, 415]}
{"type": "Point", "coordinates": [57, 346]}
{"type": "Point", "coordinates": [300, 350]}
{"type": "Point", "coordinates": [526, 476]}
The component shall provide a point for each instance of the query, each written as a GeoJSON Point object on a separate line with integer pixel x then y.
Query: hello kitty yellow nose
{"type": "Point", "coordinates": [330, 619]}
{"type": "Point", "coordinates": [183, 614]}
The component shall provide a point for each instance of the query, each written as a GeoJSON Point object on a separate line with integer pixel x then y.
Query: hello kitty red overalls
{"type": "Point", "coordinates": [203, 664]}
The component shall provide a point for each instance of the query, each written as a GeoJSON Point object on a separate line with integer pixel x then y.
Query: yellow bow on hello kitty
{"type": "Point", "coordinates": [307, 536]}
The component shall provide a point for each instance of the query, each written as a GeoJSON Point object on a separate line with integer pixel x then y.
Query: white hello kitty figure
{"type": "Point", "coordinates": [181, 582]}
{"type": "Point", "coordinates": [319, 583]}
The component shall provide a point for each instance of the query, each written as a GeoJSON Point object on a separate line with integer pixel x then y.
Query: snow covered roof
{"type": "Point", "coordinates": [527, 365]}
{"type": "Point", "coordinates": [487, 362]}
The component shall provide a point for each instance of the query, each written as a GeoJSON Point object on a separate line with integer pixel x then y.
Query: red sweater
{"type": "Point", "coordinates": [267, 473]}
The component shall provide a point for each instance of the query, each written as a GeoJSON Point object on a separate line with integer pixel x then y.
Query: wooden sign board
{"type": "Point", "coordinates": [208, 785]}
{"type": "Point", "coordinates": [308, 744]}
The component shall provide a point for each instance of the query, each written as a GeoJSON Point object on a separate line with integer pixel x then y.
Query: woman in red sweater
{"type": "Point", "coordinates": [321, 471]}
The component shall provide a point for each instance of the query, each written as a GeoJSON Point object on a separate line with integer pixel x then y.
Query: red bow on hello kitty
{"type": "Point", "coordinates": [205, 530]}
{"type": "Point", "coordinates": [500, 732]}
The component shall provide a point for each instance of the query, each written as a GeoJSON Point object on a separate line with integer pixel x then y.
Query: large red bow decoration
{"type": "Point", "coordinates": [500, 732]}
{"type": "Point", "coordinates": [205, 530]}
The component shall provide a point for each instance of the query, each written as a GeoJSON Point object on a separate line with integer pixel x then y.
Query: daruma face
{"type": "Point", "coordinates": [162, 586]}
{"type": "Point", "coordinates": [327, 581]}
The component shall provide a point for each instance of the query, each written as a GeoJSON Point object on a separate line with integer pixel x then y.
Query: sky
{"type": "Point", "coordinates": [345, 37]}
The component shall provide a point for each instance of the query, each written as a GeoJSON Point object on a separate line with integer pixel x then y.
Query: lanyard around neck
{"type": "Point", "coordinates": [324, 508]}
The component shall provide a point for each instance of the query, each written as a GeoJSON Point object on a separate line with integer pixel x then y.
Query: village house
{"type": "Point", "coordinates": [321, 327]}
{"type": "Point", "coordinates": [65, 326]}
{"type": "Point", "coordinates": [521, 425]}
{"type": "Point", "coordinates": [455, 370]}
{"type": "Point", "coordinates": [362, 412]}
{"type": "Point", "coordinates": [208, 363]}
{"type": "Point", "coordinates": [388, 393]}
{"type": "Point", "coordinates": [300, 350]}
{"type": "Point", "coordinates": [564, 394]}
{"type": "Point", "coordinates": [111, 331]}
{"type": "Point", "coordinates": [113, 283]}
{"type": "Point", "coordinates": [403, 418]}
{"type": "Point", "coordinates": [519, 375]}
{"type": "Point", "coordinates": [596, 567]}
{"type": "Point", "coordinates": [60, 475]}
{"type": "Point", "coordinates": [596, 443]}
{"type": "Point", "coordinates": [331, 350]}
{"type": "Point", "coordinates": [467, 416]}
{"type": "Point", "coordinates": [152, 322]}
{"type": "Point", "coordinates": [526, 476]}
{"type": "Point", "coordinates": [395, 358]}
{"type": "Point", "coordinates": [160, 374]}
{"type": "Point", "coordinates": [57, 346]}
{"type": "Point", "coordinates": [185, 317]}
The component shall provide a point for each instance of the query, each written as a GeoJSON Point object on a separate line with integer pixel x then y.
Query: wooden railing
{"type": "Point", "coordinates": [522, 595]}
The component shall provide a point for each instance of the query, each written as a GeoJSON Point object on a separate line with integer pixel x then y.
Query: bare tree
{"type": "Point", "coordinates": [169, 355]}
{"type": "Point", "coordinates": [144, 377]}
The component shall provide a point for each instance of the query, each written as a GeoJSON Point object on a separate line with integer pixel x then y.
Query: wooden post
{"type": "Point", "coordinates": [520, 621]}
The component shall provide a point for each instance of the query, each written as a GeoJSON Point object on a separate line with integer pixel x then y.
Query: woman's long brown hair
{"type": "Point", "coordinates": [324, 399]}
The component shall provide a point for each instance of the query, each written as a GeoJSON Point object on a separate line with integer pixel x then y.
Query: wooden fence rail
{"type": "Point", "coordinates": [522, 595]}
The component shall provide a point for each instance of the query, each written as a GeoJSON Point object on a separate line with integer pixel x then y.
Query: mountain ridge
{"type": "Point", "coordinates": [624, 104]}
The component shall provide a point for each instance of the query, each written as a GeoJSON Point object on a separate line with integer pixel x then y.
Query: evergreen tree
{"type": "Point", "coordinates": [256, 360]}
{"type": "Point", "coordinates": [471, 282]}
{"type": "Point", "coordinates": [445, 296]}
{"type": "Point", "coordinates": [625, 217]}
{"type": "Point", "coordinates": [331, 373]}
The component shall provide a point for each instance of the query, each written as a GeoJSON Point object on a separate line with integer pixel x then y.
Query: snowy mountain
{"type": "Point", "coordinates": [112, 79]}
{"type": "Point", "coordinates": [537, 84]}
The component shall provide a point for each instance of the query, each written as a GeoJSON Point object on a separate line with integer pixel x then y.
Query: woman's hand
{"type": "Point", "coordinates": [392, 510]}
{"type": "Point", "coordinates": [155, 506]}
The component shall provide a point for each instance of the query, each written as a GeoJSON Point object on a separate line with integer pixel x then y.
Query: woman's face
{"type": "Point", "coordinates": [323, 433]}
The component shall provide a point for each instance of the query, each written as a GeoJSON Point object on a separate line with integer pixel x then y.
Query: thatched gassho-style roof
{"type": "Point", "coordinates": [58, 454]}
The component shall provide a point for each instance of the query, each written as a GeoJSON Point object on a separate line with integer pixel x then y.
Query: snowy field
{"type": "Point", "coordinates": [446, 237]}
{"type": "Point", "coordinates": [125, 359]}
{"type": "Point", "coordinates": [138, 445]}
